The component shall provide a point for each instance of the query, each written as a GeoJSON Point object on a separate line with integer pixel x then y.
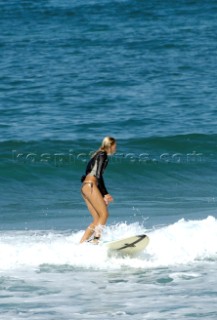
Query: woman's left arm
{"type": "Point", "coordinates": [102, 162]}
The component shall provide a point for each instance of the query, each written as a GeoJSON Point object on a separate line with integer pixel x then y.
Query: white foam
{"type": "Point", "coordinates": [183, 242]}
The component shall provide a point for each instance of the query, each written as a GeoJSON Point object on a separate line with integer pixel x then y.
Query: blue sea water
{"type": "Point", "coordinates": [71, 73]}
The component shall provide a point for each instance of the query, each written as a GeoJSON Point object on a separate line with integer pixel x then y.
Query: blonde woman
{"type": "Point", "coordinates": [94, 191]}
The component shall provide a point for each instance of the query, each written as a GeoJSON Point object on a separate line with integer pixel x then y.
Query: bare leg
{"type": "Point", "coordinates": [91, 228]}
{"type": "Point", "coordinates": [97, 208]}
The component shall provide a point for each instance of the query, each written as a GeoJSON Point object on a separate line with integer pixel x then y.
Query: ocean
{"type": "Point", "coordinates": [73, 72]}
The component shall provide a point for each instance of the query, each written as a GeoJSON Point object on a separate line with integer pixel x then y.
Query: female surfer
{"type": "Point", "coordinates": [94, 191]}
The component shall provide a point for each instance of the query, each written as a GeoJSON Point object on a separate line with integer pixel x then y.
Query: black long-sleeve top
{"type": "Point", "coordinates": [96, 167]}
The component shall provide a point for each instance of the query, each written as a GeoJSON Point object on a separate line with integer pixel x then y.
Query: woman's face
{"type": "Point", "coordinates": [113, 148]}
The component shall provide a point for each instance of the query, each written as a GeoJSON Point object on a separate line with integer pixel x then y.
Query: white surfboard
{"type": "Point", "coordinates": [128, 246]}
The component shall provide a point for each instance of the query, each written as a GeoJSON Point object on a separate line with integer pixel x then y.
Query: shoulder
{"type": "Point", "coordinates": [103, 154]}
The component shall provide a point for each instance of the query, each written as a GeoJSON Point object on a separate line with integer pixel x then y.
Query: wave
{"type": "Point", "coordinates": [180, 243]}
{"type": "Point", "coordinates": [199, 143]}
{"type": "Point", "coordinates": [135, 155]}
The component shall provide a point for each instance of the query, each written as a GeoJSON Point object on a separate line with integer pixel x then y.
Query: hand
{"type": "Point", "coordinates": [108, 198]}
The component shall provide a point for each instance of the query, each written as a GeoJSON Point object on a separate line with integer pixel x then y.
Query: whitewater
{"type": "Point", "coordinates": [48, 273]}
{"type": "Point", "coordinates": [181, 243]}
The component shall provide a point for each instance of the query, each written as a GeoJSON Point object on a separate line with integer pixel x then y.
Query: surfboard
{"type": "Point", "coordinates": [128, 246]}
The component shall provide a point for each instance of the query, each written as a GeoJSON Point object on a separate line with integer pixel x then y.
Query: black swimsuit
{"type": "Point", "coordinates": [96, 167]}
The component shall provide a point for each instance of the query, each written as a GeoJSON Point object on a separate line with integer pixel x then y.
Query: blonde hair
{"type": "Point", "coordinates": [107, 143]}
